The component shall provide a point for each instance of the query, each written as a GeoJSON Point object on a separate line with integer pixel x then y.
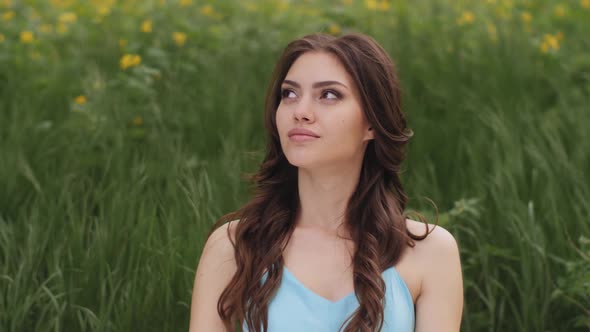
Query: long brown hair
{"type": "Point", "coordinates": [375, 212]}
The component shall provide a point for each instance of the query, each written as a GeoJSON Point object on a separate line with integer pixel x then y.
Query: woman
{"type": "Point", "coordinates": [325, 245]}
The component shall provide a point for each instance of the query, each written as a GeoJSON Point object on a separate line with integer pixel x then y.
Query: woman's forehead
{"type": "Point", "coordinates": [312, 67]}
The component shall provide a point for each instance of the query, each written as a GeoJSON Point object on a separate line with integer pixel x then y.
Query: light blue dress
{"type": "Point", "coordinates": [296, 308]}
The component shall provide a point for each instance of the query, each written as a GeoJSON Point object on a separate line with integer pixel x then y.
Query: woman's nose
{"type": "Point", "coordinates": [304, 110]}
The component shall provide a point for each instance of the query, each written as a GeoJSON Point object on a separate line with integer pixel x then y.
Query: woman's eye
{"type": "Point", "coordinates": [327, 94]}
{"type": "Point", "coordinates": [335, 95]}
{"type": "Point", "coordinates": [285, 93]}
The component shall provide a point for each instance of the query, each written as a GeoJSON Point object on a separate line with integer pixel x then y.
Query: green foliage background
{"type": "Point", "coordinates": [111, 176]}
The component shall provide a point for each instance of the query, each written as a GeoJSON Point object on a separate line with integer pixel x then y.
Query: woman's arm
{"type": "Point", "coordinates": [440, 304]}
{"type": "Point", "coordinates": [216, 268]}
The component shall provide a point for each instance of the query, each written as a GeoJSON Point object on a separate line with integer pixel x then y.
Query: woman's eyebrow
{"type": "Point", "coordinates": [315, 85]}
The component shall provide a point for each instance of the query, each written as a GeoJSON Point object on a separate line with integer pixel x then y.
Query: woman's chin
{"type": "Point", "coordinates": [300, 162]}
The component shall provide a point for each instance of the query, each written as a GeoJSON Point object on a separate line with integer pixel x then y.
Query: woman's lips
{"type": "Point", "coordinates": [302, 138]}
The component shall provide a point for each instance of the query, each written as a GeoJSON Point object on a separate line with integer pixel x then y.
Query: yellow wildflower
{"type": "Point", "coordinates": [526, 17]}
{"type": "Point", "coordinates": [560, 10]}
{"type": "Point", "coordinates": [129, 60]}
{"type": "Point", "coordinates": [137, 120]}
{"type": "Point", "coordinates": [7, 16]}
{"type": "Point", "coordinates": [552, 41]}
{"type": "Point", "coordinates": [185, 3]}
{"type": "Point", "coordinates": [2, 38]}
{"type": "Point", "coordinates": [122, 43]}
{"type": "Point", "coordinates": [383, 5]}
{"type": "Point", "coordinates": [104, 10]}
{"type": "Point", "coordinates": [80, 100]}
{"type": "Point", "coordinates": [371, 4]}
{"type": "Point", "coordinates": [282, 5]}
{"type": "Point", "coordinates": [334, 29]}
{"type": "Point", "coordinates": [26, 37]}
{"type": "Point", "coordinates": [585, 3]}
{"type": "Point", "coordinates": [466, 17]}
{"type": "Point", "coordinates": [146, 26]}
{"type": "Point", "coordinates": [207, 10]}
{"type": "Point", "coordinates": [549, 43]}
{"type": "Point", "coordinates": [67, 18]}
{"type": "Point", "coordinates": [179, 38]}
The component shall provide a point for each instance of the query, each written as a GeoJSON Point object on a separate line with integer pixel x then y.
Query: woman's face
{"type": "Point", "coordinates": [319, 95]}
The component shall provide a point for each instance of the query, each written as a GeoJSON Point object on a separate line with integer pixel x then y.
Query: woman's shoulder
{"type": "Point", "coordinates": [221, 239]}
{"type": "Point", "coordinates": [436, 264]}
{"type": "Point", "coordinates": [437, 238]}
{"type": "Point", "coordinates": [215, 269]}
{"type": "Point", "coordinates": [435, 254]}
{"type": "Point", "coordinates": [424, 258]}
{"type": "Point", "coordinates": [438, 244]}
{"type": "Point", "coordinates": [219, 248]}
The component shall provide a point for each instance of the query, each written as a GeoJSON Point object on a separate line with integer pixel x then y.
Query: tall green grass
{"type": "Point", "coordinates": [104, 207]}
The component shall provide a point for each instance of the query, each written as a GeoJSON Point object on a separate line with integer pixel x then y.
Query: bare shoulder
{"type": "Point", "coordinates": [438, 242]}
{"type": "Point", "coordinates": [435, 254]}
{"type": "Point", "coordinates": [215, 269]}
{"type": "Point", "coordinates": [218, 252]}
{"type": "Point", "coordinates": [219, 243]}
{"type": "Point", "coordinates": [440, 297]}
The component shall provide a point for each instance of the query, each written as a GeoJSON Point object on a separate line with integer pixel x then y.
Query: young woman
{"type": "Point", "coordinates": [325, 245]}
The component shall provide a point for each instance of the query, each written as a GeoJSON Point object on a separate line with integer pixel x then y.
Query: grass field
{"type": "Point", "coordinates": [126, 126]}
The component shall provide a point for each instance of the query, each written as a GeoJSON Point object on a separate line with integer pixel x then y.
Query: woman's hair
{"type": "Point", "coordinates": [375, 212]}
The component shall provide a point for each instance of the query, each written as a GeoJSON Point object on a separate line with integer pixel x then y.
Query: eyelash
{"type": "Point", "coordinates": [334, 92]}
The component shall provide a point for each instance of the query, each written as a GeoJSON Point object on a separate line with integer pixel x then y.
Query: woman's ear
{"type": "Point", "coordinates": [370, 134]}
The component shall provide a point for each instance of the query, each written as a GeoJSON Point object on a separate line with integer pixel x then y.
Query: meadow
{"type": "Point", "coordinates": [126, 128]}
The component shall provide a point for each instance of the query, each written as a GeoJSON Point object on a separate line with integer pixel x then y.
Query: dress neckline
{"type": "Point", "coordinates": [321, 298]}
